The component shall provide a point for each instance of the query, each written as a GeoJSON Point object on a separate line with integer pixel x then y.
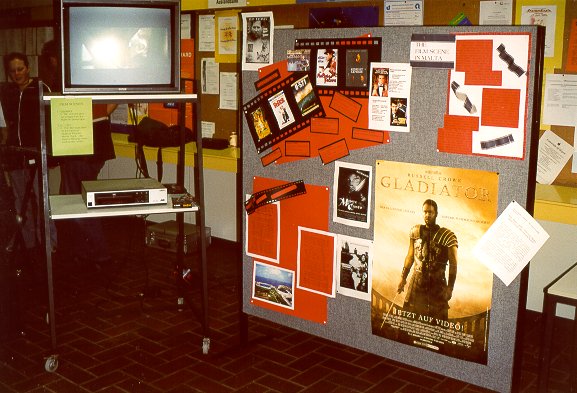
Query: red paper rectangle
{"type": "Point", "coordinates": [310, 210]}
{"type": "Point", "coordinates": [345, 106]}
{"type": "Point", "coordinates": [271, 157]}
{"type": "Point", "coordinates": [334, 151]}
{"type": "Point", "coordinates": [325, 125]}
{"type": "Point", "coordinates": [457, 135]}
{"type": "Point", "coordinates": [297, 149]}
{"type": "Point", "coordinates": [316, 262]}
{"type": "Point", "coordinates": [262, 232]}
{"type": "Point", "coordinates": [369, 135]}
{"type": "Point", "coordinates": [475, 59]}
{"type": "Point", "coordinates": [500, 107]}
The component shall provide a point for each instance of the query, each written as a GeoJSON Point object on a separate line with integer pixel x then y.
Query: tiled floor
{"type": "Point", "coordinates": [111, 338]}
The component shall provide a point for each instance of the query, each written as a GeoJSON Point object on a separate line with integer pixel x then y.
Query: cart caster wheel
{"type": "Point", "coordinates": [205, 345]}
{"type": "Point", "coordinates": [51, 364]}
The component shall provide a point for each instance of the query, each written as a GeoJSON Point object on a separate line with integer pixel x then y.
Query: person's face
{"type": "Point", "coordinates": [256, 28]}
{"type": "Point", "coordinates": [429, 214]}
{"type": "Point", "coordinates": [354, 181]}
{"type": "Point", "coordinates": [381, 79]}
{"type": "Point", "coordinates": [394, 108]}
{"type": "Point", "coordinates": [18, 72]}
{"type": "Point", "coordinates": [329, 56]}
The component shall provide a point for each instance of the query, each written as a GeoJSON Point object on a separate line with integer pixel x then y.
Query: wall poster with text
{"type": "Point", "coordinates": [428, 289]}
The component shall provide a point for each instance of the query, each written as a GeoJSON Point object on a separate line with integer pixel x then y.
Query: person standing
{"type": "Point", "coordinates": [20, 100]}
{"type": "Point", "coordinates": [431, 248]}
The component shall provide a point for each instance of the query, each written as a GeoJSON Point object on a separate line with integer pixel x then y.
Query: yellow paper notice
{"type": "Point", "coordinates": [71, 126]}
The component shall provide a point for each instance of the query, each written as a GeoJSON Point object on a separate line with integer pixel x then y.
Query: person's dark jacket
{"type": "Point", "coordinates": [22, 113]}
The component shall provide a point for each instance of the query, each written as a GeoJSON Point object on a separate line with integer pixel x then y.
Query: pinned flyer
{"type": "Point", "coordinates": [510, 243]}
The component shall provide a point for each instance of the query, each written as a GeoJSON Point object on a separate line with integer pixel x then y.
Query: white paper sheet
{"type": "Point", "coordinates": [209, 70]}
{"type": "Point", "coordinates": [542, 16]}
{"type": "Point", "coordinates": [208, 128]}
{"type": "Point", "coordinates": [554, 153]}
{"type": "Point", "coordinates": [206, 33]}
{"type": "Point", "coordinates": [228, 89]}
{"type": "Point", "coordinates": [496, 12]}
{"type": "Point", "coordinates": [390, 110]}
{"type": "Point", "coordinates": [403, 13]}
{"type": "Point", "coordinates": [185, 26]}
{"type": "Point", "coordinates": [560, 100]}
{"type": "Point", "coordinates": [510, 243]}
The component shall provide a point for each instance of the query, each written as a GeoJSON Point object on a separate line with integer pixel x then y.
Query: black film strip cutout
{"type": "Point", "coordinates": [492, 143]}
{"type": "Point", "coordinates": [279, 135]}
{"type": "Point", "coordinates": [507, 58]}
{"type": "Point", "coordinates": [274, 194]}
{"type": "Point", "coordinates": [371, 44]}
{"type": "Point", "coordinates": [469, 106]}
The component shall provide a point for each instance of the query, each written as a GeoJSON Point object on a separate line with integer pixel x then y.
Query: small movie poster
{"type": "Point", "coordinates": [357, 68]}
{"type": "Point", "coordinates": [304, 95]}
{"type": "Point", "coordinates": [281, 110]}
{"type": "Point", "coordinates": [352, 200]}
{"type": "Point", "coordinates": [327, 67]}
{"type": "Point", "coordinates": [380, 84]}
{"type": "Point", "coordinates": [355, 258]}
{"type": "Point", "coordinates": [298, 60]}
{"type": "Point", "coordinates": [429, 290]}
{"type": "Point", "coordinates": [261, 127]}
{"type": "Point", "coordinates": [258, 40]}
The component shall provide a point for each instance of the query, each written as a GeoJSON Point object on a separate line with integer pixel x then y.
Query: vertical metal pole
{"type": "Point", "coordinates": [199, 185]}
{"type": "Point", "coordinates": [45, 216]}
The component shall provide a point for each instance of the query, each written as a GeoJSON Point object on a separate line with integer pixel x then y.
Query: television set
{"type": "Point", "coordinates": [120, 46]}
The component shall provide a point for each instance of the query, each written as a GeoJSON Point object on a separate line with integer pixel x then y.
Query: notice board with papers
{"type": "Point", "coordinates": [350, 139]}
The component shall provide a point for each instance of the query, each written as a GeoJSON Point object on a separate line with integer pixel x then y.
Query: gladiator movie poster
{"type": "Point", "coordinates": [428, 289]}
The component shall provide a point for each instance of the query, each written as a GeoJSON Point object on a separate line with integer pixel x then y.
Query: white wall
{"type": "Point", "coordinates": [556, 256]}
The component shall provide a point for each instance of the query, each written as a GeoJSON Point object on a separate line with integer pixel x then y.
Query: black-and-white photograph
{"type": "Point", "coordinates": [352, 199]}
{"type": "Point", "coordinates": [258, 34]}
{"type": "Point", "coordinates": [354, 273]}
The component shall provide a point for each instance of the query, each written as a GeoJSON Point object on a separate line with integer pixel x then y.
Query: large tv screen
{"type": "Point", "coordinates": [120, 46]}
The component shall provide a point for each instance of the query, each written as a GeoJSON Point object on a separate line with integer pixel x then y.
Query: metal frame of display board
{"type": "Point", "coordinates": [348, 319]}
{"type": "Point", "coordinates": [71, 206]}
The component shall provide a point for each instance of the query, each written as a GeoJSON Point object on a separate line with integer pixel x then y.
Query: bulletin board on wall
{"type": "Point", "coordinates": [434, 14]}
{"type": "Point", "coordinates": [300, 223]}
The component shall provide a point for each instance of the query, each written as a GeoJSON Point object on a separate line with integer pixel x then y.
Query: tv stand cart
{"type": "Point", "coordinates": [71, 206]}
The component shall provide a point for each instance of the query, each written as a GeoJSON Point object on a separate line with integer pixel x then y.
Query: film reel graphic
{"type": "Point", "coordinates": [267, 131]}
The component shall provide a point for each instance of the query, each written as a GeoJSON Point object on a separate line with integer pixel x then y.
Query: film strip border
{"type": "Point", "coordinates": [274, 194]}
{"type": "Point", "coordinates": [277, 135]}
{"type": "Point", "coordinates": [372, 45]}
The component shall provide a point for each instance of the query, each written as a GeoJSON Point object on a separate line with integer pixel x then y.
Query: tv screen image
{"type": "Point", "coordinates": [122, 47]}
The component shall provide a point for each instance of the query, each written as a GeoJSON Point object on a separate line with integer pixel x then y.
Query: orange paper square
{"type": "Point", "coordinates": [500, 107]}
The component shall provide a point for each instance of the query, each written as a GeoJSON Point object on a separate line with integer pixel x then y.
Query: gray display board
{"type": "Point", "coordinates": [349, 319]}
